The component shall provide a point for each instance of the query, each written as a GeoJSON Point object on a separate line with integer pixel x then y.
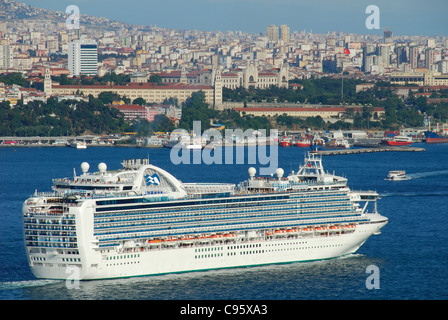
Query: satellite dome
{"type": "Point", "coordinates": [85, 167]}
{"type": "Point", "coordinates": [252, 171]}
{"type": "Point", "coordinates": [279, 172]}
{"type": "Point", "coordinates": [102, 167]}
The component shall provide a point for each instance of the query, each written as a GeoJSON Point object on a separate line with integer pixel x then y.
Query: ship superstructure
{"type": "Point", "coordinates": [140, 220]}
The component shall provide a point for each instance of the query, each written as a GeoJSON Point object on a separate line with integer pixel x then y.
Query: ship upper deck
{"type": "Point", "coordinates": [139, 178]}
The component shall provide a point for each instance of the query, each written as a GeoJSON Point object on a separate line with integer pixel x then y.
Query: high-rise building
{"type": "Point", "coordinates": [413, 57]}
{"type": "Point", "coordinates": [430, 58]}
{"type": "Point", "coordinates": [402, 56]}
{"type": "Point", "coordinates": [431, 43]}
{"type": "Point", "coordinates": [384, 53]}
{"type": "Point", "coordinates": [6, 56]}
{"type": "Point", "coordinates": [368, 50]}
{"type": "Point", "coordinates": [272, 32]}
{"type": "Point", "coordinates": [388, 36]}
{"type": "Point", "coordinates": [284, 33]}
{"type": "Point", "coordinates": [83, 57]}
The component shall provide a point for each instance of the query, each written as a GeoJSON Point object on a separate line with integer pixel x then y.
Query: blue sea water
{"type": "Point", "coordinates": [411, 253]}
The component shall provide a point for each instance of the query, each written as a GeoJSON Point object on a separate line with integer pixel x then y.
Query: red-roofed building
{"type": "Point", "coordinates": [151, 92]}
{"type": "Point", "coordinates": [325, 113]}
{"type": "Point", "coordinates": [135, 111]}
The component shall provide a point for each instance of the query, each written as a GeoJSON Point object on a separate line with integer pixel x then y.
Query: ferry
{"type": "Point", "coordinates": [397, 175]}
{"type": "Point", "coordinates": [187, 142]}
{"type": "Point", "coordinates": [398, 141]}
{"type": "Point", "coordinates": [140, 220]}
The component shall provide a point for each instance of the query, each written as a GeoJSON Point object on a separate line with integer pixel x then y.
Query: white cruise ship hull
{"type": "Point", "coordinates": [207, 257]}
{"type": "Point", "coordinates": [142, 221]}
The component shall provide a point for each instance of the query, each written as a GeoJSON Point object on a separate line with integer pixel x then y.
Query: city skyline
{"type": "Point", "coordinates": [411, 17]}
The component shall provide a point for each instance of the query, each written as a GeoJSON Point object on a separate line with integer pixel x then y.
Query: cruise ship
{"type": "Point", "coordinates": [140, 220]}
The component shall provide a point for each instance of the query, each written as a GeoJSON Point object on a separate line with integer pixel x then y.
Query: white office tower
{"type": "Point", "coordinates": [83, 57]}
{"type": "Point", "coordinates": [6, 56]}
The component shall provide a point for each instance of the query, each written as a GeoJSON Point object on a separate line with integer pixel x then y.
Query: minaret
{"type": "Point", "coordinates": [47, 83]}
{"type": "Point", "coordinates": [218, 90]}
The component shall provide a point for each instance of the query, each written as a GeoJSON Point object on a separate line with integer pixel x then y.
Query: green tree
{"type": "Point", "coordinates": [155, 78]}
{"type": "Point", "coordinates": [139, 101]}
{"type": "Point", "coordinates": [107, 97]}
{"type": "Point", "coordinates": [196, 109]}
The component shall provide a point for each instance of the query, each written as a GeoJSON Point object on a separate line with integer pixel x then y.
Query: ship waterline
{"type": "Point", "coordinates": [140, 221]}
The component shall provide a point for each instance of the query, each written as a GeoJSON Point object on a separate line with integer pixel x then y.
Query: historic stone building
{"type": "Point", "coordinates": [152, 93]}
{"type": "Point", "coordinates": [248, 77]}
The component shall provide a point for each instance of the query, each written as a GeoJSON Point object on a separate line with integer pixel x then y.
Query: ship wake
{"type": "Point", "coordinates": [10, 285]}
{"type": "Point", "coordinates": [420, 175]}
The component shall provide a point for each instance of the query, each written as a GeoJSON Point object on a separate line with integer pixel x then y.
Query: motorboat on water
{"type": "Point", "coordinates": [285, 142]}
{"type": "Point", "coordinates": [397, 175]}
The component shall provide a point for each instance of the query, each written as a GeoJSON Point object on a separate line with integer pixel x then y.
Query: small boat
{"type": "Point", "coordinates": [78, 144]}
{"type": "Point", "coordinates": [397, 175]}
{"type": "Point", "coordinates": [285, 142]}
{"type": "Point", "coordinates": [338, 143]}
{"type": "Point", "coordinates": [304, 143]}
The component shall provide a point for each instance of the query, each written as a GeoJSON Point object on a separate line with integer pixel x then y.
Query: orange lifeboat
{"type": "Point", "coordinates": [335, 228]}
{"type": "Point", "coordinates": [280, 231]}
{"type": "Point", "coordinates": [229, 235]}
